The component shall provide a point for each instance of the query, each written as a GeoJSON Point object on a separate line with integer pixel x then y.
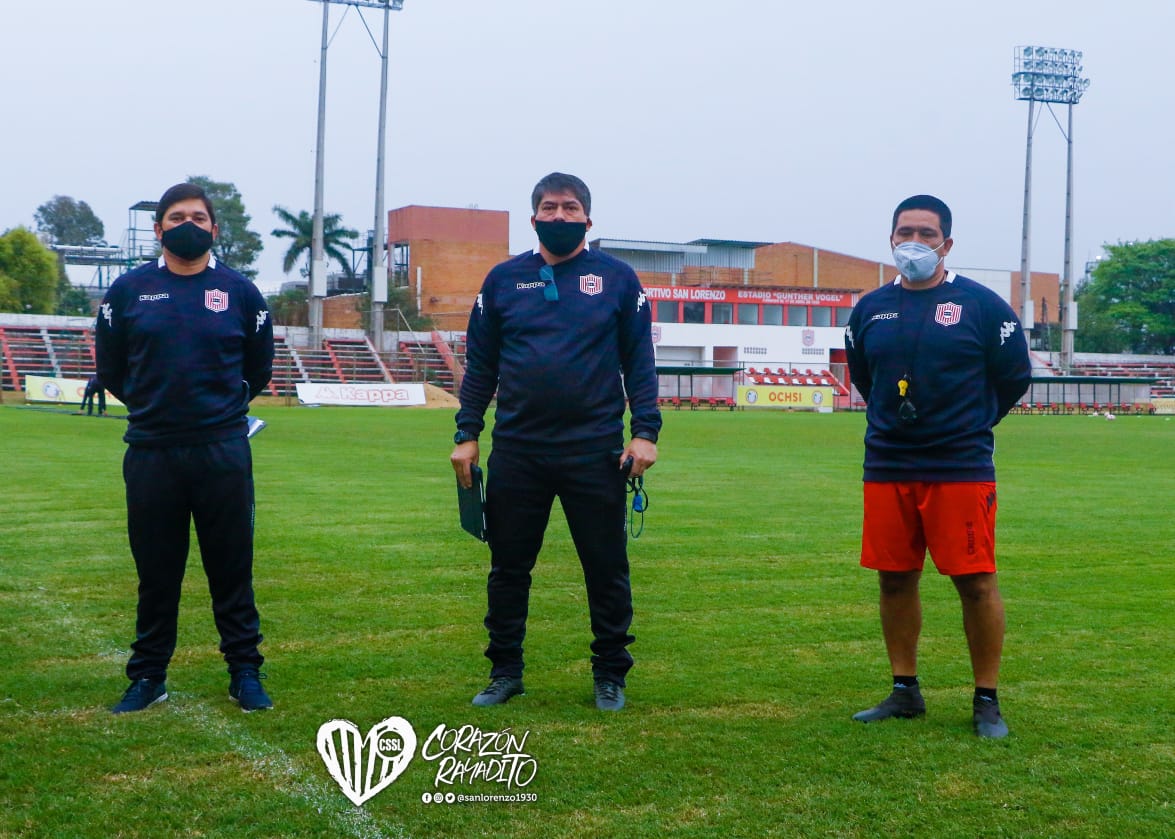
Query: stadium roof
{"type": "Point", "coordinates": [729, 243]}
{"type": "Point", "coordinates": [637, 245]}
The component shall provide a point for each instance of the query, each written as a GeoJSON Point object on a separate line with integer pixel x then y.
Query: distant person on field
{"type": "Point", "coordinates": [94, 388]}
{"type": "Point", "coordinates": [185, 342]}
{"type": "Point", "coordinates": [563, 334]}
{"type": "Point", "coordinates": [940, 360]}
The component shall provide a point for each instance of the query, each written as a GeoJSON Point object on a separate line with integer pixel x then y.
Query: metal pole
{"type": "Point", "coordinates": [1068, 327]}
{"type": "Point", "coordinates": [379, 267]}
{"type": "Point", "coordinates": [1025, 277]}
{"type": "Point", "coordinates": [317, 250]}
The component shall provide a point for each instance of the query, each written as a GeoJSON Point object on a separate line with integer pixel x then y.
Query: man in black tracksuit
{"type": "Point", "coordinates": [563, 334]}
{"type": "Point", "coordinates": [185, 342]}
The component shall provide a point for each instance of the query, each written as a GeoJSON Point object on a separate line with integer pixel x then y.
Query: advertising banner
{"type": "Point", "coordinates": [59, 391]}
{"type": "Point", "coordinates": [777, 396]}
{"type": "Point", "coordinates": [334, 393]}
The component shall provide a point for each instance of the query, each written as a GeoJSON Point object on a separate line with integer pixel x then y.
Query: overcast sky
{"type": "Point", "coordinates": [741, 119]}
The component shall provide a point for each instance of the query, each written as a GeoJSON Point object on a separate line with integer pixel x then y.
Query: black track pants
{"type": "Point", "coordinates": [519, 495]}
{"type": "Point", "coordinates": [167, 489]}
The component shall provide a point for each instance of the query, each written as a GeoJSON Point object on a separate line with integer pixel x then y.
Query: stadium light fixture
{"type": "Point", "coordinates": [1049, 75]}
{"type": "Point", "coordinates": [317, 244]}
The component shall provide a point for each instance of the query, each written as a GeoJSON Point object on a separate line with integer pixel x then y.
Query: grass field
{"type": "Point", "coordinates": [757, 638]}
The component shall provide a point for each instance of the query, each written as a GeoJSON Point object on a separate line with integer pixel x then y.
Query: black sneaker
{"type": "Point", "coordinates": [245, 688]}
{"type": "Point", "coordinates": [609, 695]}
{"type": "Point", "coordinates": [903, 703]}
{"type": "Point", "coordinates": [143, 693]}
{"type": "Point", "coordinates": [987, 719]}
{"type": "Point", "coordinates": [500, 689]}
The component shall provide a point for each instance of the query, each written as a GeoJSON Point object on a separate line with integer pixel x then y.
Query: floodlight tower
{"type": "Point", "coordinates": [1049, 75]}
{"type": "Point", "coordinates": [317, 245]}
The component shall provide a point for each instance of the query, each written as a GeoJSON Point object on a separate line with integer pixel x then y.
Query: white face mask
{"type": "Point", "coordinates": [916, 262]}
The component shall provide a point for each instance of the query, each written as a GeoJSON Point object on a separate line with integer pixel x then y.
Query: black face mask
{"type": "Point", "coordinates": [188, 240]}
{"type": "Point", "coordinates": [561, 237]}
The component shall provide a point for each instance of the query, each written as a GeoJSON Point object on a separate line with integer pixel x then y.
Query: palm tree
{"type": "Point", "coordinates": [300, 228]}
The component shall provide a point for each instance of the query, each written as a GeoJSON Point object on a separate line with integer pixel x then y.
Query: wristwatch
{"type": "Point", "coordinates": [651, 436]}
{"type": "Point", "coordinates": [463, 436]}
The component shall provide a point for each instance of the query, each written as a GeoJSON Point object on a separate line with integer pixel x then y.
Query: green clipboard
{"type": "Point", "coordinates": [471, 504]}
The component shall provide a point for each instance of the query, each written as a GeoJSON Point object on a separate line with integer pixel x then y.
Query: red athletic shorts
{"type": "Point", "coordinates": [955, 521]}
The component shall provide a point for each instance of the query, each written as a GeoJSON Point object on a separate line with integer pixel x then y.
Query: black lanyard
{"type": "Point", "coordinates": [907, 411]}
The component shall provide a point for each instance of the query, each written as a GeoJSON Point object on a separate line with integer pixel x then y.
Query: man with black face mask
{"type": "Point", "coordinates": [563, 335]}
{"type": "Point", "coordinates": [186, 342]}
{"type": "Point", "coordinates": [940, 359]}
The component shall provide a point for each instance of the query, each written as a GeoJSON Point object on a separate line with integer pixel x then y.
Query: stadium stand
{"type": "Point", "coordinates": [356, 360]}
{"type": "Point", "coordinates": [59, 352]}
{"type": "Point", "coordinates": [1164, 372]}
{"type": "Point", "coordinates": [27, 352]}
{"type": "Point", "coordinates": [73, 352]}
{"type": "Point", "coordinates": [427, 362]}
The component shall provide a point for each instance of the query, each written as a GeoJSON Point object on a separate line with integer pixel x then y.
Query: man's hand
{"type": "Point", "coordinates": [643, 453]}
{"type": "Point", "coordinates": [465, 455]}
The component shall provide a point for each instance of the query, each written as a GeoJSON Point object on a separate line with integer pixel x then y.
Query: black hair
{"type": "Point", "coordinates": [557, 182]}
{"type": "Point", "coordinates": [182, 192]}
{"type": "Point", "coordinates": [925, 202]}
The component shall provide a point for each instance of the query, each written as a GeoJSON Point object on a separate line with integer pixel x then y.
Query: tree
{"type": "Point", "coordinates": [236, 245]}
{"type": "Point", "coordinates": [300, 229]}
{"type": "Point", "coordinates": [402, 299]}
{"type": "Point", "coordinates": [32, 268]}
{"type": "Point", "coordinates": [290, 308]}
{"type": "Point", "coordinates": [71, 300]}
{"type": "Point", "coordinates": [1129, 303]}
{"type": "Point", "coordinates": [9, 294]}
{"type": "Point", "coordinates": [69, 222]}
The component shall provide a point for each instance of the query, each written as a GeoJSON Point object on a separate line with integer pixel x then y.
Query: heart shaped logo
{"type": "Point", "coordinates": [364, 766]}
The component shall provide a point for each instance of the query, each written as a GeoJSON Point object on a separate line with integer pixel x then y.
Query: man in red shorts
{"type": "Point", "coordinates": [939, 360]}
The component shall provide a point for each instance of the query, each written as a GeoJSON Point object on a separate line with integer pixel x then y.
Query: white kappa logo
{"type": "Point", "coordinates": [364, 766]}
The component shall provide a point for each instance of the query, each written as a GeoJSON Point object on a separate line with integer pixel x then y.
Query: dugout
{"type": "Point", "coordinates": [1070, 394]}
{"type": "Point", "coordinates": [696, 386]}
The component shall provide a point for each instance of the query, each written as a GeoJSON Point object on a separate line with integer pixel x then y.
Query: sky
{"type": "Point", "coordinates": [742, 119]}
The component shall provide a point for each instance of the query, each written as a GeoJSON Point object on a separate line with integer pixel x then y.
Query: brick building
{"type": "Point", "coordinates": [442, 254]}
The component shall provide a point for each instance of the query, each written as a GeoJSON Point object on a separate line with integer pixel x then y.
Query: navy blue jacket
{"type": "Point", "coordinates": [967, 360]}
{"type": "Point", "coordinates": [557, 365]}
{"type": "Point", "coordinates": [184, 353]}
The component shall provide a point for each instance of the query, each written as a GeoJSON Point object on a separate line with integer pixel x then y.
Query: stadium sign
{"type": "Point", "coordinates": [795, 297]}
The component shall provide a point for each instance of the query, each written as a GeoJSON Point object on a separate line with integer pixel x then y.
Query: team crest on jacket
{"type": "Point", "coordinates": [948, 314]}
{"type": "Point", "coordinates": [591, 284]}
{"type": "Point", "coordinates": [215, 299]}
